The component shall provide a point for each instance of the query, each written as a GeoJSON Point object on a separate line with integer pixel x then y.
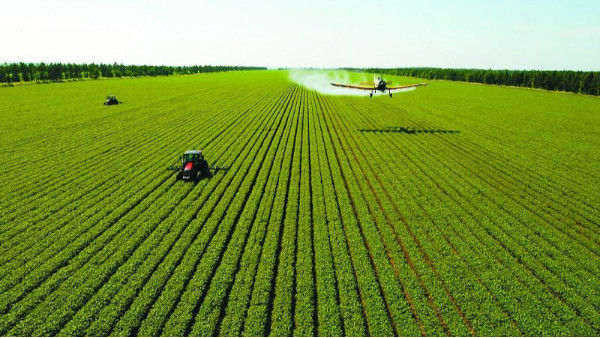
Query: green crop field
{"type": "Point", "coordinates": [454, 209]}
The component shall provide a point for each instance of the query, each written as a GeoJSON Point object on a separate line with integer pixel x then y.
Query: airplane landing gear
{"type": "Point", "coordinates": [371, 94]}
{"type": "Point", "coordinates": [390, 93]}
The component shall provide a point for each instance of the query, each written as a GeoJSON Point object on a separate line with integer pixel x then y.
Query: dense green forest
{"type": "Point", "coordinates": [560, 80]}
{"type": "Point", "coordinates": [42, 72]}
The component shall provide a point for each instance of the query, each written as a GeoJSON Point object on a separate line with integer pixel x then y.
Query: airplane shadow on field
{"type": "Point", "coordinates": [408, 130]}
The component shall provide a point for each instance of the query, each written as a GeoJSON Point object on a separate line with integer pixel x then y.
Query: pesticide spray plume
{"type": "Point", "coordinates": [320, 81]}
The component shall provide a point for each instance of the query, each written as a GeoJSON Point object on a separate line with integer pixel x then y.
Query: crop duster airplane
{"type": "Point", "coordinates": [378, 84]}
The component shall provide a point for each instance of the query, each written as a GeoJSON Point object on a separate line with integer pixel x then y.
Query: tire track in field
{"type": "Point", "coordinates": [542, 181]}
{"type": "Point", "coordinates": [583, 171]}
{"type": "Point", "coordinates": [554, 244]}
{"type": "Point", "coordinates": [545, 182]}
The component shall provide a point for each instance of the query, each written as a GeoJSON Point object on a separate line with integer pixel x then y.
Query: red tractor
{"type": "Point", "coordinates": [193, 166]}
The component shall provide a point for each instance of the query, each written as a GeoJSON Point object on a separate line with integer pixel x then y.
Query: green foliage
{"type": "Point", "coordinates": [41, 72]}
{"type": "Point", "coordinates": [449, 210]}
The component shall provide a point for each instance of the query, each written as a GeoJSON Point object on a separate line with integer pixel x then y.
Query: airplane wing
{"type": "Point", "coordinates": [407, 86]}
{"type": "Point", "coordinates": [351, 86]}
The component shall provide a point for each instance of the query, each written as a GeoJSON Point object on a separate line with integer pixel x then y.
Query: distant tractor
{"type": "Point", "coordinates": [111, 100]}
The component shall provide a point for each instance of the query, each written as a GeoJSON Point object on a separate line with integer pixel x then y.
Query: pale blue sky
{"type": "Point", "coordinates": [524, 34]}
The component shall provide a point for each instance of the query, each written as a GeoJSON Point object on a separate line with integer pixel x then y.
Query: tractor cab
{"type": "Point", "coordinates": [111, 100]}
{"type": "Point", "coordinates": [193, 156]}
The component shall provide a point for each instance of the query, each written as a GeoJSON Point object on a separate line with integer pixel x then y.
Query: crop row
{"type": "Point", "coordinates": [337, 216]}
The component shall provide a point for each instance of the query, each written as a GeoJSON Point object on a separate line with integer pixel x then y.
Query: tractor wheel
{"type": "Point", "coordinates": [204, 170]}
{"type": "Point", "coordinates": [179, 176]}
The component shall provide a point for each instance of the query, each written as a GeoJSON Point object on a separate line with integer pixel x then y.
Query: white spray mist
{"type": "Point", "coordinates": [320, 80]}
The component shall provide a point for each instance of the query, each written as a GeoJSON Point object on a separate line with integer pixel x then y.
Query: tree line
{"type": "Point", "coordinates": [43, 72]}
{"type": "Point", "coordinates": [583, 82]}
